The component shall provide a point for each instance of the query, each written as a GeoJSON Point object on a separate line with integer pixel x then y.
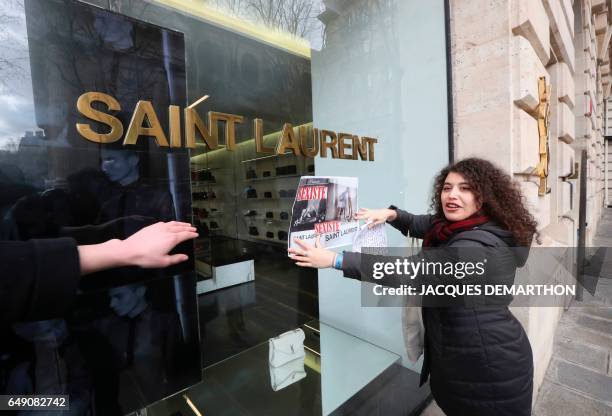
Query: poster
{"type": "Point", "coordinates": [325, 206]}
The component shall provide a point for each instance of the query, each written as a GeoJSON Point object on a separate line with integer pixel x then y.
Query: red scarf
{"type": "Point", "coordinates": [442, 230]}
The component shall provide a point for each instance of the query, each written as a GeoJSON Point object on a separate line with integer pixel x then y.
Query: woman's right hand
{"type": "Point", "coordinates": [374, 217]}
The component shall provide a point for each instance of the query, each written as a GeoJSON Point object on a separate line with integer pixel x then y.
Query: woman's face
{"type": "Point", "coordinates": [458, 200]}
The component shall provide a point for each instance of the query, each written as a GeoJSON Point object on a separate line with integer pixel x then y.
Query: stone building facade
{"type": "Point", "coordinates": [499, 49]}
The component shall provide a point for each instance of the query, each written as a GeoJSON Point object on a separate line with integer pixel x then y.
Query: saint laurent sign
{"type": "Point", "coordinates": [308, 142]}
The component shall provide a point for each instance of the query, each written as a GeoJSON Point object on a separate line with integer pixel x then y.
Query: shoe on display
{"type": "Point", "coordinates": [203, 229]}
{"type": "Point", "coordinates": [206, 176]}
{"type": "Point", "coordinates": [251, 192]}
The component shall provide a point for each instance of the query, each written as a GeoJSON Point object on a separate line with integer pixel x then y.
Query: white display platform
{"type": "Point", "coordinates": [224, 276]}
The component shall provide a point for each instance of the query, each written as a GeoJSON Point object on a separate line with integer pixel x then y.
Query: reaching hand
{"type": "Point", "coordinates": [312, 256]}
{"type": "Point", "coordinates": [147, 248]}
{"type": "Point", "coordinates": [376, 216]}
{"type": "Point", "coordinates": [150, 246]}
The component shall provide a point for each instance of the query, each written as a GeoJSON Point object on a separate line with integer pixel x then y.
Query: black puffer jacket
{"type": "Point", "coordinates": [478, 358]}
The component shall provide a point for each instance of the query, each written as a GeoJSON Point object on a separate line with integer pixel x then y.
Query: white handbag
{"type": "Point", "coordinates": [285, 375]}
{"type": "Point", "coordinates": [286, 347]}
{"type": "Point", "coordinates": [413, 332]}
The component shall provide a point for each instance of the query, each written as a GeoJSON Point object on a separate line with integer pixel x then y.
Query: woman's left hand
{"type": "Point", "coordinates": [312, 256]}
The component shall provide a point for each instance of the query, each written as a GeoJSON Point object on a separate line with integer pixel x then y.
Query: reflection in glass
{"type": "Point", "coordinates": [132, 336]}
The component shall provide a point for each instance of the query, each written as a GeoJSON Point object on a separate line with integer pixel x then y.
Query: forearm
{"type": "Point", "coordinates": [96, 257]}
{"type": "Point", "coordinates": [410, 224]}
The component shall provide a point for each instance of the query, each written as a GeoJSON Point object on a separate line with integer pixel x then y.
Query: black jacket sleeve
{"type": "Point", "coordinates": [407, 223]}
{"type": "Point", "coordinates": [39, 278]}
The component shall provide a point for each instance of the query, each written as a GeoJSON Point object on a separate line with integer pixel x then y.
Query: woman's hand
{"type": "Point", "coordinates": [148, 248]}
{"type": "Point", "coordinates": [374, 217]}
{"type": "Point", "coordinates": [312, 256]}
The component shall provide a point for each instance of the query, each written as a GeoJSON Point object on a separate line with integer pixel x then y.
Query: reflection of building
{"type": "Point", "coordinates": [33, 156]}
{"type": "Point", "coordinates": [73, 48]}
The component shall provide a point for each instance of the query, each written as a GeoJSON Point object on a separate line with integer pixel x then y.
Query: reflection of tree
{"type": "Point", "coordinates": [234, 7]}
{"type": "Point", "coordinates": [11, 144]}
{"type": "Point", "coordinates": [80, 56]}
{"type": "Point", "coordinates": [296, 17]}
{"type": "Point", "coordinates": [14, 53]}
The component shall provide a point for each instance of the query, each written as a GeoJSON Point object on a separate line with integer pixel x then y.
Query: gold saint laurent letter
{"type": "Point", "coordinates": [230, 127]}
{"type": "Point", "coordinates": [309, 151]}
{"type": "Point", "coordinates": [288, 141]}
{"type": "Point", "coordinates": [136, 129]}
{"type": "Point", "coordinates": [193, 122]}
{"type": "Point", "coordinates": [84, 107]}
{"type": "Point", "coordinates": [329, 145]}
{"type": "Point", "coordinates": [259, 140]}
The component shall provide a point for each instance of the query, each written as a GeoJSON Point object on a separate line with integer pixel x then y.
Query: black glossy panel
{"type": "Point", "coordinates": [132, 337]}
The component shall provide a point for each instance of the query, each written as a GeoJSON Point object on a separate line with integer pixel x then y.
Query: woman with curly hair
{"type": "Point", "coordinates": [478, 357]}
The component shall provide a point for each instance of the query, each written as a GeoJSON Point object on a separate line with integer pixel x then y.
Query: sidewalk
{"type": "Point", "coordinates": [579, 378]}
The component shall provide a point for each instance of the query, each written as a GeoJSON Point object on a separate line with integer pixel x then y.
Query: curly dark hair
{"type": "Point", "coordinates": [500, 196]}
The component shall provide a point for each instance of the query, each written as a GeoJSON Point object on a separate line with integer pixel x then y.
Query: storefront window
{"type": "Point", "coordinates": [121, 113]}
{"type": "Point", "coordinates": [131, 337]}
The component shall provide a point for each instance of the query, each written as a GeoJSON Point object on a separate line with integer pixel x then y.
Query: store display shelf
{"type": "Point", "coordinates": [210, 201]}
{"type": "Point", "coordinates": [267, 240]}
{"type": "Point", "coordinates": [204, 183]}
{"type": "Point", "coordinates": [208, 218]}
{"type": "Point", "coordinates": [268, 220]}
{"type": "Point", "coordinates": [276, 198]}
{"type": "Point", "coordinates": [216, 214]}
{"type": "Point", "coordinates": [207, 199]}
{"type": "Point", "coordinates": [268, 178]}
{"type": "Point", "coordinates": [275, 220]}
{"type": "Point", "coordinates": [205, 169]}
{"type": "Point", "coordinates": [209, 228]}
